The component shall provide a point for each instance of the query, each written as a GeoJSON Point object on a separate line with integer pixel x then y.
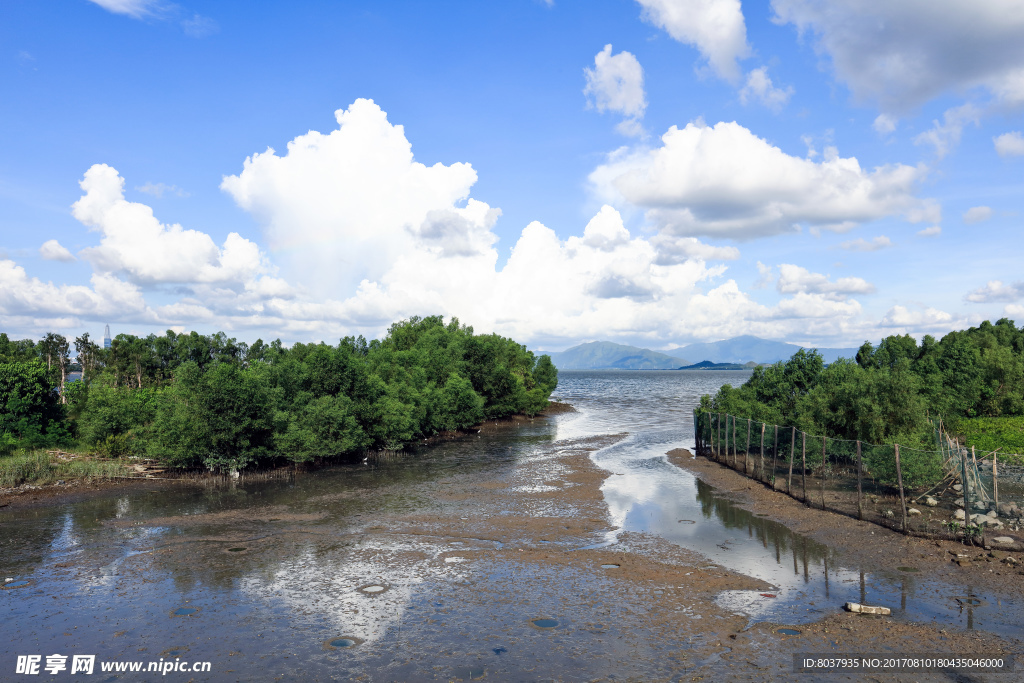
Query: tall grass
{"type": "Point", "coordinates": [990, 433]}
{"type": "Point", "coordinates": [39, 467]}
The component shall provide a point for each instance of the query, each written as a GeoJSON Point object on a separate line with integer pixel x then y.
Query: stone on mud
{"type": "Point", "coordinates": [931, 502]}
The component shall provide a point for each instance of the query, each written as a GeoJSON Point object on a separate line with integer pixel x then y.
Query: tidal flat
{"type": "Point", "coordinates": [569, 547]}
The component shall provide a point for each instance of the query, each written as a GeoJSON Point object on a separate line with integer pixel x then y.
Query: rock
{"type": "Point", "coordinates": [1006, 510]}
{"type": "Point", "coordinates": [958, 488]}
{"type": "Point", "coordinates": [930, 502]}
{"type": "Point", "coordinates": [959, 514]}
{"type": "Point", "coordinates": [889, 514]}
{"type": "Point", "coordinates": [913, 512]}
{"type": "Point", "coordinates": [1003, 540]}
{"type": "Point", "coordinates": [993, 514]}
{"type": "Point", "coordinates": [866, 609]}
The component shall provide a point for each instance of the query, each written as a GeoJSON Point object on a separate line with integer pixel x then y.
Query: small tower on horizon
{"type": "Point", "coordinates": [106, 336]}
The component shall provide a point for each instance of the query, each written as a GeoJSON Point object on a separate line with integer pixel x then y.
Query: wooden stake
{"type": "Point", "coordinates": [995, 481]}
{"type": "Point", "coordinates": [860, 490]}
{"type": "Point", "coordinates": [803, 459]}
{"type": "Point", "coordinates": [824, 440]}
{"type": "Point", "coordinates": [899, 480]}
{"type": "Point", "coordinates": [792, 457]}
{"type": "Point", "coordinates": [746, 453]}
{"type": "Point", "coordinates": [775, 456]}
{"type": "Point", "coordinates": [761, 453]}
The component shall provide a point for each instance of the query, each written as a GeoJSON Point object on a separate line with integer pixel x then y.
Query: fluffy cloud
{"type": "Point", "coordinates": [715, 27]}
{"type": "Point", "coordinates": [1009, 144]}
{"type": "Point", "coordinates": [932, 231]}
{"type": "Point", "coordinates": [616, 83]}
{"type": "Point", "coordinates": [759, 88]}
{"type": "Point", "coordinates": [134, 242]}
{"type": "Point", "coordinates": [977, 214]}
{"type": "Point", "coordinates": [884, 124]}
{"type": "Point", "coordinates": [902, 54]}
{"type": "Point", "coordinates": [925, 320]}
{"type": "Point", "coordinates": [946, 135]}
{"type": "Point", "coordinates": [995, 290]}
{"type": "Point", "coordinates": [24, 296]}
{"type": "Point", "coordinates": [861, 244]}
{"type": "Point", "coordinates": [53, 251]}
{"type": "Point", "coordinates": [343, 207]}
{"type": "Point", "coordinates": [797, 280]}
{"type": "Point", "coordinates": [725, 181]}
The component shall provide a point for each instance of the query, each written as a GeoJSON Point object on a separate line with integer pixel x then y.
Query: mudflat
{"type": "Point", "coordinates": [495, 573]}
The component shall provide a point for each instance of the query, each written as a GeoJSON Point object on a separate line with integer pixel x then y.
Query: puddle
{"type": "Point", "coordinates": [237, 550]}
{"type": "Point", "coordinates": [373, 589]}
{"type": "Point", "coordinates": [609, 566]}
{"type": "Point", "coordinates": [342, 643]}
{"type": "Point", "coordinates": [787, 631]}
{"type": "Point", "coordinates": [184, 611]}
{"type": "Point", "coordinates": [16, 584]}
{"type": "Point", "coordinates": [545, 623]}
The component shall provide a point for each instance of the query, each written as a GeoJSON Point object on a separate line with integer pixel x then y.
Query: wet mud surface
{"type": "Point", "coordinates": [530, 553]}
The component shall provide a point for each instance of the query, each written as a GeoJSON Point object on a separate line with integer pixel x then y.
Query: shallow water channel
{"type": "Point", "coordinates": [282, 566]}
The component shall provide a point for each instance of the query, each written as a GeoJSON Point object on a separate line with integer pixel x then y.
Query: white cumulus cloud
{"type": "Point", "coordinates": [52, 250]}
{"type": "Point", "coordinates": [759, 88]}
{"type": "Point", "coordinates": [902, 54]}
{"type": "Point", "coordinates": [134, 242]}
{"type": "Point", "coordinates": [795, 279]}
{"type": "Point", "coordinates": [996, 290]}
{"type": "Point", "coordinates": [977, 214]}
{"type": "Point", "coordinates": [616, 83]}
{"type": "Point", "coordinates": [342, 207]}
{"type": "Point", "coordinates": [725, 181]}
{"type": "Point", "coordinates": [931, 231]}
{"type": "Point", "coordinates": [884, 124]}
{"type": "Point", "coordinates": [715, 27]}
{"type": "Point", "coordinates": [1009, 144]}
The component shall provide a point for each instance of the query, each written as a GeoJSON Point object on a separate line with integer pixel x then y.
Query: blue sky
{"type": "Point", "coordinates": [809, 171]}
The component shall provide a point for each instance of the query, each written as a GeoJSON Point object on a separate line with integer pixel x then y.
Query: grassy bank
{"type": "Point", "coordinates": [41, 467]}
{"type": "Point", "coordinates": [991, 433]}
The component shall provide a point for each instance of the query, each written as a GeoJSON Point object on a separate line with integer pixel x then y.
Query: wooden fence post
{"type": "Point", "coordinates": [761, 453]}
{"type": "Point", "coordinates": [803, 460]}
{"type": "Point", "coordinates": [860, 491]}
{"type": "Point", "coordinates": [775, 456]}
{"type": "Point", "coordinates": [792, 457]}
{"type": "Point", "coordinates": [824, 440]}
{"type": "Point", "coordinates": [995, 481]}
{"type": "Point", "coordinates": [735, 443]}
{"type": "Point", "coordinates": [899, 480]}
{"type": "Point", "coordinates": [746, 453]}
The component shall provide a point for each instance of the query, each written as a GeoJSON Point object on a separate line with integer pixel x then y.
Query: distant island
{"type": "Point", "coordinates": [708, 365]}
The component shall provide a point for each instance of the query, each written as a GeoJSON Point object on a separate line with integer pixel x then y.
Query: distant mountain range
{"type": "Point", "coordinates": [749, 348]}
{"type": "Point", "coordinates": [609, 356]}
{"type": "Point", "coordinates": [738, 350]}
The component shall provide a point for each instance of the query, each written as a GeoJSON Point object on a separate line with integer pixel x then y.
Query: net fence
{"type": "Point", "coordinates": [949, 492]}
